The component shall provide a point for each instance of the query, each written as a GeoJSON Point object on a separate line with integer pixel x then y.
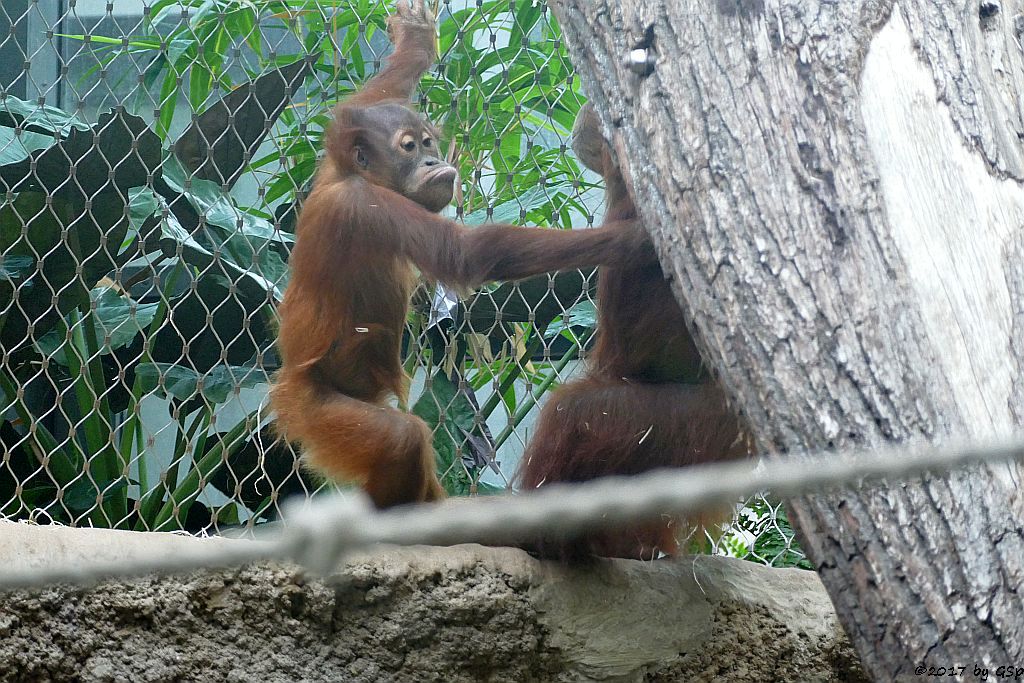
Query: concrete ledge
{"type": "Point", "coordinates": [466, 613]}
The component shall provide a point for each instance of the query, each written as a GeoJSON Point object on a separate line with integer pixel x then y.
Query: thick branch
{"type": "Point", "coordinates": [827, 186]}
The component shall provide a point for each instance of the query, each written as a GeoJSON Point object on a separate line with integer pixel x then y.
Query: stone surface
{"type": "Point", "coordinates": [465, 613]}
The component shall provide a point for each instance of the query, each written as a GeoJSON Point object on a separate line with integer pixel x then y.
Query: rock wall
{"type": "Point", "coordinates": [465, 613]}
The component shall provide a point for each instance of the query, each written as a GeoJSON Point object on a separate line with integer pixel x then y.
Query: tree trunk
{"type": "Point", "coordinates": [835, 190]}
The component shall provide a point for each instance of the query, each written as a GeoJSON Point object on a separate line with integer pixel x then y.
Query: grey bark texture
{"type": "Point", "coordinates": [465, 613]}
{"type": "Point", "coordinates": [835, 190]}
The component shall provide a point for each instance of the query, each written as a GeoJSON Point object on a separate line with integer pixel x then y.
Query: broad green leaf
{"type": "Point", "coordinates": [216, 385]}
{"type": "Point", "coordinates": [37, 118]}
{"type": "Point", "coordinates": [118, 319]}
{"type": "Point", "coordinates": [583, 314]}
{"type": "Point", "coordinates": [83, 495]}
{"type": "Point", "coordinates": [451, 414]}
{"type": "Point", "coordinates": [509, 211]}
{"type": "Point", "coordinates": [15, 146]}
{"type": "Point", "coordinates": [14, 268]}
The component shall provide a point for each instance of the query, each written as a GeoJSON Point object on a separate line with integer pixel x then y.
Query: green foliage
{"type": "Point", "coordinates": [88, 204]}
{"type": "Point", "coordinates": [504, 93]}
{"type": "Point", "coordinates": [460, 442]}
{"type": "Point", "coordinates": [763, 534]}
{"type": "Point", "coordinates": [144, 275]}
{"type": "Point", "coordinates": [129, 267]}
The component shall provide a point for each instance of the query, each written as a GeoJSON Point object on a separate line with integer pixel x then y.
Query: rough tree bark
{"type": "Point", "coordinates": [836, 190]}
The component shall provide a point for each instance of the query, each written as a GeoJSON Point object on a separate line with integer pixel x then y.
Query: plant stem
{"type": "Point", "coordinates": [62, 467]}
{"type": "Point", "coordinates": [533, 397]}
{"type": "Point", "coordinates": [114, 502]}
{"type": "Point", "coordinates": [509, 379]}
{"type": "Point", "coordinates": [131, 430]}
{"type": "Point", "coordinates": [191, 486]}
{"type": "Point", "coordinates": [182, 440]}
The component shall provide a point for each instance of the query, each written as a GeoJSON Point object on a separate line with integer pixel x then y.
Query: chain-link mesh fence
{"type": "Point", "coordinates": [153, 155]}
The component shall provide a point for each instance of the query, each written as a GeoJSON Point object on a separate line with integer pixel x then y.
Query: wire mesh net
{"type": "Point", "coordinates": [153, 157]}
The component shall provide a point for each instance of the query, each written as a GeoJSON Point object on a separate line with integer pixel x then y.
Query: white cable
{"type": "Point", "coordinates": [319, 533]}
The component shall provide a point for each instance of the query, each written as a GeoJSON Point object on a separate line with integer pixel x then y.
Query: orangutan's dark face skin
{"type": "Point", "coordinates": [398, 150]}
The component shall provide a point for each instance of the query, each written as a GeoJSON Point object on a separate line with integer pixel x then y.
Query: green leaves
{"type": "Point", "coordinates": [53, 261]}
{"type": "Point", "coordinates": [118, 153]}
{"type": "Point", "coordinates": [462, 448]}
{"type": "Point", "coordinates": [117, 320]}
{"type": "Point", "coordinates": [31, 116]}
{"type": "Point", "coordinates": [223, 139]}
{"type": "Point", "coordinates": [18, 144]}
{"type": "Point", "coordinates": [215, 385]}
{"type": "Point", "coordinates": [762, 533]}
{"type": "Point", "coordinates": [505, 72]}
{"type": "Point", "coordinates": [582, 315]}
{"type": "Point", "coordinates": [16, 268]}
{"type": "Point", "coordinates": [199, 258]}
{"type": "Point", "coordinates": [223, 239]}
{"type": "Point", "coordinates": [70, 213]}
{"type": "Point", "coordinates": [80, 204]}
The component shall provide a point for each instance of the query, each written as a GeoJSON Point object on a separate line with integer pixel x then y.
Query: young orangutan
{"type": "Point", "coordinates": [646, 402]}
{"type": "Point", "coordinates": [369, 223]}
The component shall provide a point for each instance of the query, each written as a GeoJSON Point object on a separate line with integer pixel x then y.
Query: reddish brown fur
{"type": "Point", "coordinates": [640, 406]}
{"type": "Point", "coordinates": [359, 241]}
